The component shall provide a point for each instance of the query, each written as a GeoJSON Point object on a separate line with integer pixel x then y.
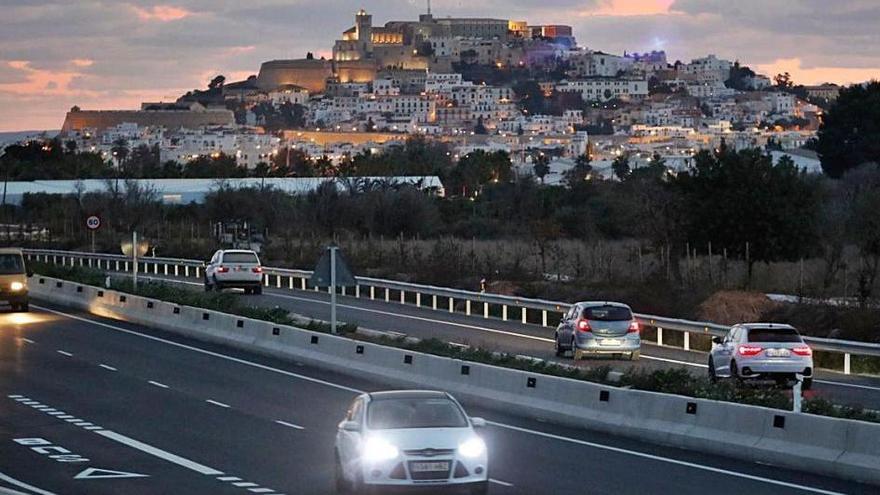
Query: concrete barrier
{"type": "Point", "coordinates": [835, 447]}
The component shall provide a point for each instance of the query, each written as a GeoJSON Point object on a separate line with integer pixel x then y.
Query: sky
{"type": "Point", "coordinates": [103, 54]}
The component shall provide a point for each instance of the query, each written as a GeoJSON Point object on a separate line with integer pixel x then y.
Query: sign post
{"type": "Point", "coordinates": [332, 271]}
{"type": "Point", "coordinates": [93, 223]}
{"type": "Point", "coordinates": [134, 258]}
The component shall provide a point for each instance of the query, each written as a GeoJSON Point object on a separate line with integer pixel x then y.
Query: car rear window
{"type": "Point", "coordinates": [11, 264]}
{"type": "Point", "coordinates": [390, 414]}
{"type": "Point", "coordinates": [608, 313]}
{"type": "Point", "coordinates": [774, 335]}
{"type": "Point", "coordinates": [240, 258]}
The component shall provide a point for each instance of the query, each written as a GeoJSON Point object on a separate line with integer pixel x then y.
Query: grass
{"type": "Point", "coordinates": [669, 381]}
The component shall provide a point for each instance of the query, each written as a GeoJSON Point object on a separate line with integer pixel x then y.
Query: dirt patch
{"type": "Point", "coordinates": [731, 307]}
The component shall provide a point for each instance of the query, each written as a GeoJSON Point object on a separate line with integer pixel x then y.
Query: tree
{"type": "Point", "coordinates": [862, 187]}
{"type": "Point", "coordinates": [783, 81]}
{"type": "Point", "coordinates": [217, 83]}
{"type": "Point", "coordinates": [850, 132]}
{"type": "Point", "coordinates": [620, 167]}
{"type": "Point", "coordinates": [741, 202]}
{"type": "Point", "coordinates": [541, 166]}
{"type": "Point", "coordinates": [310, 56]}
{"type": "Point", "coordinates": [580, 173]}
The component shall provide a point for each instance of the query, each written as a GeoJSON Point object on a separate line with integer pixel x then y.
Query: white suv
{"type": "Point", "coordinates": [234, 269]}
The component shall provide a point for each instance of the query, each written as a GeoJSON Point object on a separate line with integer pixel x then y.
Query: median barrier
{"type": "Point", "coordinates": [821, 445]}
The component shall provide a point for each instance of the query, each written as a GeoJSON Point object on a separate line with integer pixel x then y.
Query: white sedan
{"type": "Point", "coordinates": [410, 438]}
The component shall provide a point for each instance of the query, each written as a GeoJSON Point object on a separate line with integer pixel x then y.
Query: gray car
{"type": "Point", "coordinates": [596, 328]}
{"type": "Point", "coordinates": [762, 351]}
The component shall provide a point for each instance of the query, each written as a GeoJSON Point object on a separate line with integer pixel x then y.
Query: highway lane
{"type": "Point", "coordinates": [516, 338]}
{"type": "Point", "coordinates": [200, 418]}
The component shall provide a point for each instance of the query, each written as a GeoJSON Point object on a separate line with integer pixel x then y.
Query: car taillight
{"type": "Point", "coordinates": [584, 326]}
{"type": "Point", "coordinates": [634, 327]}
{"type": "Point", "coordinates": [803, 351]}
{"type": "Point", "coordinates": [750, 350]}
{"type": "Point", "coordinates": [222, 269]}
{"type": "Point", "coordinates": [258, 269]}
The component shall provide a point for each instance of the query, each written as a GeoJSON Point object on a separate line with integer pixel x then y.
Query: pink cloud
{"type": "Point", "coordinates": [41, 82]}
{"type": "Point", "coordinates": [163, 13]}
{"type": "Point", "coordinates": [82, 62]}
{"type": "Point", "coordinates": [819, 75]}
{"type": "Point", "coordinates": [632, 7]}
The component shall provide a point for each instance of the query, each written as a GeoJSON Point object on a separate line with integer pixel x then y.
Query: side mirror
{"type": "Point", "coordinates": [717, 340]}
{"type": "Point", "coordinates": [478, 422]}
{"type": "Point", "coordinates": [349, 426]}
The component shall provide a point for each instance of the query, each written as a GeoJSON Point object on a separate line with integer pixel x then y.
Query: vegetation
{"type": "Point", "coordinates": [850, 132]}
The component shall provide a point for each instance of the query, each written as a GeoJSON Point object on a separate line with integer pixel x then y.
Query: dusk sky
{"type": "Point", "coordinates": [114, 54]}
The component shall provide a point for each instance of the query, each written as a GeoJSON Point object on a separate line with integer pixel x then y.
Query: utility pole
{"type": "Point", "coordinates": [134, 258]}
{"type": "Point", "coordinates": [333, 289]}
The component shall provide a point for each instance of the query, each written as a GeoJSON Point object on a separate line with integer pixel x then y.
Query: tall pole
{"type": "Point", "coordinates": [134, 258]}
{"type": "Point", "coordinates": [333, 289]}
{"type": "Point", "coordinates": [93, 240]}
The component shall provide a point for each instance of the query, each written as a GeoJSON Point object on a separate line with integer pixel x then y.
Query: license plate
{"type": "Point", "coordinates": [778, 353]}
{"type": "Point", "coordinates": [428, 467]}
{"type": "Point", "coordinates": [609, 342]}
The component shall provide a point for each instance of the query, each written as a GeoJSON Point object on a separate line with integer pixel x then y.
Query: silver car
{"type": "Point", "coordinates": [599, 328]}
{"type": "Point", "coordinates": [234, 269]}
{"type": "Point", "coordinates": [762, 351]}
{"type": "Point", "coordinates": [401, 439]}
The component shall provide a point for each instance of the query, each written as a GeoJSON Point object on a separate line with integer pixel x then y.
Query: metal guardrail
{"type": "Point", "coordinates": [542, 312]}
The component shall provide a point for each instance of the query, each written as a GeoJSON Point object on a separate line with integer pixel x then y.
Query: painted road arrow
{"type": "Point", "coordinates": [105, 474]}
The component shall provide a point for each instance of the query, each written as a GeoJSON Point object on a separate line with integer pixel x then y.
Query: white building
{"type": "Point", "coordinates": [604, 89]}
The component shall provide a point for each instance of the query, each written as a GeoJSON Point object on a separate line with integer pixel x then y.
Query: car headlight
{"type": "Point", "coordinates": [16, 286]}
{"type": "Point", "coordinates": [474, 447]}
{"type": "Point", "coordinates": [377, 449]}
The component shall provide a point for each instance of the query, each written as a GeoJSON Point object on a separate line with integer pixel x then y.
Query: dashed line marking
{"type": "Point", "coordinates": [57, 413]}
{"type": "Point", "coordinates": [93, 428]}
{"type": "Point", "coordinates": [229, 478]}
{"type": "Point", "coordinates": [29, 341]}
{"type": "Point", "coordinates": [109, 368]}
{"type": "Point", "coordinates": [220, 404]}
{"type": "Point", "coordinates": [65, 416]}
{"type": "Point", "coordinates": [16, 396]}
{"type": "Point", "coordinates": [65, 353]}
{"type": "Point", "coordinates": [156, 452]}
{"type": "Point", "coordinates": [499, 482]}
{"type": "Point", "coordinates": [291, 425]}
{"type": "Point", "coordinates": [73, 420]}
{"type": "Point", "coordinates": [157, 384]}
{"type": "Point", "coordinates": [261, 490]}
{"type": "Point", "coordinates": [246, 484]}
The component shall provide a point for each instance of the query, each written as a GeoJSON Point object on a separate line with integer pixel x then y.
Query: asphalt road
{"type": "Point", "coordinates": [516, 338]}
{"type": "Point", "coordinates": [91, 406]}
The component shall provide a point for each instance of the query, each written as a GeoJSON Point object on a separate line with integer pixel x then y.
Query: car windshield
{"type": "Point", "coordinates": [390, 414]}
{"type": "Point", "coordinates": [608, 313]}
{"type": "Point", "coordinates": [11, 264]}
{"type": "Point", "coordinates": [774, 335]}
{"type": "Point", "coordinates": [240, 258]}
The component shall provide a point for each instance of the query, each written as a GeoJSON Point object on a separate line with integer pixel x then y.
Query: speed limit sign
{"type": "Point", "coordinates": [93, 222]}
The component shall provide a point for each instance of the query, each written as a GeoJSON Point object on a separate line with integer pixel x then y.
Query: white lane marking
{"type": "Point", "coordinates": [29, 341]}
{"type": "Point", "coordinates": [65, 353]}
{"type": "Point", "coordinates": [16, 396]}
{"type": "Point", "coordinates": [205, 352]}
{"type": "Point", "coordinates": [106, 367]}
{"type": "Point", "coordinates": [57, 413]}
{"type": "Point", "coordinates": [157, 384]}
{"type": "Point", "coordinates": [83, 423]}
{"type": "Point", "coordinates": [156, 452]}
{"type": "Point", "coordinates": [844, 384]}
{"type": "Point", "coordinates": [291, 425]}
{"type": "Point", "coordinates": [491, 330]}
{"type": "Point", "coordinates": [73, 420]}
{"type": "Point", "coordinates": [64, 416]}
{"type": "Point", "coordinates": [245, 484]}
{"type": "Point", "coordinates": [261, 490]}
{"type": "Point", "coordinates": [354, 390]}
{"type": "Point", "coordinates": [103, 474]}
{"type": "Point", "coordinates": [93, 428]}
{"type": "Point", "coordinates": [228, 478]}
{"type": "Point", "coordinates": [22, 484]}
{"type": "Point", "coordinates": [499, 482]}
{"type": "Point", "coordinates": [668, 460]}
{"type": "Point", "coordinates": [209, 401]}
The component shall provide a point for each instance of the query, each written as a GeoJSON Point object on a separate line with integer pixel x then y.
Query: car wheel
{"type": "Point", "coordinates": [207, 285]}
{"type": "Point", "coordinates": [558, 348]}
{"type": "Point", "coordinates": [635, 355]}
{"type": "Point", "coordinates": [734, 373]}
{"type": "Point", "coordinates": [342, 485]}
{"type": "Point", "coordinates": [481, 488]}
{"type": "Point", "coordinates": [576, 353]}
{"type": "Point", "coordinates": [712, 376]}
{"type": "Point", "coordinates": [807, 384]}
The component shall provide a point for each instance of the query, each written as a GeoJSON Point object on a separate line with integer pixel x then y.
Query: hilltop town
{"type": "Point", "coordinates": [477, 84]}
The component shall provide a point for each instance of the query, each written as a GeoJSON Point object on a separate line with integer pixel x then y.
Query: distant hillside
{"type": "Point", "coordinates": [14, 137]}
